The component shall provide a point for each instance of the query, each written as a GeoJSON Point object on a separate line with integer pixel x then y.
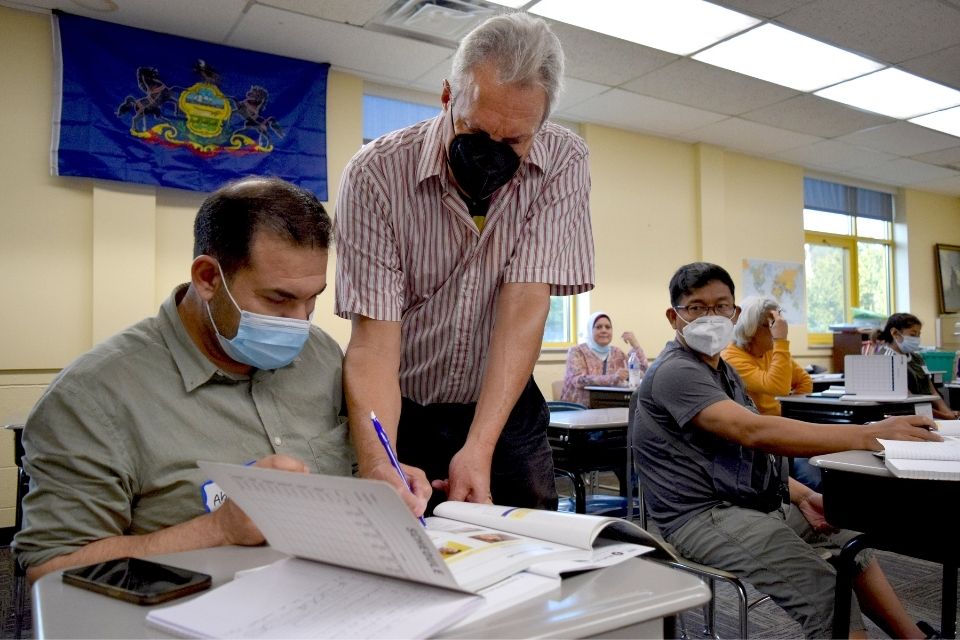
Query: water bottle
{"type": "Point", "coordinates": [633, 370]}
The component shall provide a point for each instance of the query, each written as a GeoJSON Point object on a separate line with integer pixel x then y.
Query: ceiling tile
{"type": "Point", "coordinates": [816, 116]}
{"type": "Point", "coordinates": [631, 111]}
{"type": "Point", "coordinates": [904, 171]}
{"type": "Point", "coordinates": [945, 158]}
{"type": "Point", "coordinates": [901, 138]}
{"type": "Point", "coordinates": [596, 57]}
{"type": "Point", "coordinates": [761, 8]}
{"type": "Point", "coordinates": [576, 91]}
{"type": "Point", "coordinates": [187, 19]}
{"type": "Point", "coordinates": [888, 30]}
{"type": "Point", "coordinates": [948, 186]}
{"type": "Point", "coordinates": [833, 155]}
{"type": "Point", "coordinates": [432, 80]}
{"type": "Point", "coordinates": [940, 66]}
{"type": "Point", "coordinates": [695, 84]}
{"type": "Point", "coordinates": [751, 137]}
{"type": "Point", "coordinates": [356, 12]}
{"type": "Point", "coordinates": [350, 48]}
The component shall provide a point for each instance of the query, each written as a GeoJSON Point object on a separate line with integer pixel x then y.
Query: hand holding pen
{"type": "Point", "coordinates": [385, 441]}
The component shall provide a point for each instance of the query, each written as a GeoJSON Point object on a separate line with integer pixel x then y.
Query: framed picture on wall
{"type": "Point", "coordinates": [948, 267]}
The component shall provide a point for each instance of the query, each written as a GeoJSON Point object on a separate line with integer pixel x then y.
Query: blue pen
{"type": "Point", "coordinates": [385, 441]}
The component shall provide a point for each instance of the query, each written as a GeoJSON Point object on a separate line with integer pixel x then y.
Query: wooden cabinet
{"type": "Point", "coordinates": [848, 342]}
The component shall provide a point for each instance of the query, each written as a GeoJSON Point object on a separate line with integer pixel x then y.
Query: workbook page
{"type": "Point", "coordinates": [350, 522]}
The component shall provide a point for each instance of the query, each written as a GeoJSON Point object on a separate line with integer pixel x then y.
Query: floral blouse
{"type": "Point", "coordinates": [585, 368]}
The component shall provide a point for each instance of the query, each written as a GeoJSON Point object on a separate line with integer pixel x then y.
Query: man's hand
{"type": "Point", "coordinates": [469, 479]}
{"type": "Point", "coordinates": [415, 496]}
{"type": "Point", "coordinates": [234, 525]}
{"type": "Point", "coordinates": [902, 428]}
{"type": "Point", "coordinates": [811, 506]}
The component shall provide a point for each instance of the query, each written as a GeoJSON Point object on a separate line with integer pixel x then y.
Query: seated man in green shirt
{"type": "Point", "coordinates": [231, 370]}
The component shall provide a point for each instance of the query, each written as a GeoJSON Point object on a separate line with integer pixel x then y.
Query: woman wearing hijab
{"type": "Point", "coordinates": [901, 335]}
{"type": "Point", "coordinates": [596, 362]}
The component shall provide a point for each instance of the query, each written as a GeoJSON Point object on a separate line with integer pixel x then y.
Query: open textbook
{"type": "Point", "coordinates": [363, 565]}
{"type": "Point", "coordinates": [926, 460]}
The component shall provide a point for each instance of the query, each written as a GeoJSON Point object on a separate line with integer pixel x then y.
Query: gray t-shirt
{"type": "Point", "coordinates": [685, 470]}
{"type": "Point", "coordinates": [111, 447]}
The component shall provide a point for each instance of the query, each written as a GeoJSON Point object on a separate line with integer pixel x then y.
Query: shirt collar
{"type": "Point", "coordinates": [194, 367]}
{"type": "Point", "coordinates": [433, 155]}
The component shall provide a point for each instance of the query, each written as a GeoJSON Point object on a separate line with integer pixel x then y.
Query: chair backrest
{"type": "Point", "coordinates": [561, 405]}
{"type": "Point", "coordinates": [556, 388]}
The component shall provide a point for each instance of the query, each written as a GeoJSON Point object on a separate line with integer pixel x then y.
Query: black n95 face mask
{"type": "Point", "coordinates": [481, 165]}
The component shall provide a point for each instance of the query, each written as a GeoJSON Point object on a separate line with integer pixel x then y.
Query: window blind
{"type": "Point", "coordinates": [852, 201]}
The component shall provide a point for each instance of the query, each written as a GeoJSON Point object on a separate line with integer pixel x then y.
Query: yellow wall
{"type": "Point", "coordinates": [82, 259]}
{"type": "Point", "coordinates": [931, 219]}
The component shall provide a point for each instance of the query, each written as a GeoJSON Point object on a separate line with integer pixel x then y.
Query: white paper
{"type": "Point", "coordinates": [296, 598]}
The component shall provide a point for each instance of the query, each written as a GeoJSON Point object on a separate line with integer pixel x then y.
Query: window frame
{"type": "Point", "coordinates": [570, 322]}
{"type": "Point", "coordinates": [851, 242]}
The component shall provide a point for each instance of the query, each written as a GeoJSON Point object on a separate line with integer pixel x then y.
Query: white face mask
{"type": "Point", "coordinates": [909, 344]}
{"type": "Point", "coordinates": [708, 334]}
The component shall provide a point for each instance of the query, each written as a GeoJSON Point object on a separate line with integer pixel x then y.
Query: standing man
{"type": "Point", "coordinates": [453, 234]}
{"type": "Point", "coordinates": [230, 370]}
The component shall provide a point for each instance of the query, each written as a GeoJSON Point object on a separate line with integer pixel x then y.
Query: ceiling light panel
{"type": "Point", "coordinates": [787, 58]}
{"type": "Point", "coordinates": [677, 26]}
{"type": "Point", "coordinates": [947, 121]}
{"type": "Point", "coordinates": [893, 93]}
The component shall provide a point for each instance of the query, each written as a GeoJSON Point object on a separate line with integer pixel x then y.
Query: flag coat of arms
{"type": "Point", "coordinates": [146, 107]}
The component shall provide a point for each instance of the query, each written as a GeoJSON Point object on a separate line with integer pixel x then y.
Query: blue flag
{"type": "Point", "coordinates": [147, 107]}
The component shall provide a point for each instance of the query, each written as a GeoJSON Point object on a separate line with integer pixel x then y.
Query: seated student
{"type": "Point", "coordinates": [901, 335]}
{"type": "Point", "coordinates": [597, 362]}
{"type": "Point", "coordinates": [712, 469]}
{"type": "Point", "coordinates": [231, 369]}
{"type": "Point", "coordinates": [760, 354]}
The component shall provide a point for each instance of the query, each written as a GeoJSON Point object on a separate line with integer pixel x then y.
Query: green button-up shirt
{"type": "Point", "coordinates": [111, 447]}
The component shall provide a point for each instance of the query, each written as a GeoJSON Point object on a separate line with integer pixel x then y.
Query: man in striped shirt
{"type": "Point", "coordinates": [452, 235]}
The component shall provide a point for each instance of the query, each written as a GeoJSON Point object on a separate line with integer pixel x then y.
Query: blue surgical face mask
{"type": "Point", "coordinates": [910, 344]}
{"type": "Point", "coordinates": [263, 342]}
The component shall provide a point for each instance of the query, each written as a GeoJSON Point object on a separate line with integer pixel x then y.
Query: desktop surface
{"type": "Point", "coordinates": [633, 596]}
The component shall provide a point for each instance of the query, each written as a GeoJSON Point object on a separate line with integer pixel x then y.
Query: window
{"type": "Point", "coordinates": [382, 115]}
{"type": "Point", "coordinates": [848, 255]}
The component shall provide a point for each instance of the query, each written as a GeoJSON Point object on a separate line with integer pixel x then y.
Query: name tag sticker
{"type": "Point", "coordinates": [212, 496]}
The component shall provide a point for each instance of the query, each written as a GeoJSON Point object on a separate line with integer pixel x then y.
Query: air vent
{"type": "Point", "coordinates": [442, 22]}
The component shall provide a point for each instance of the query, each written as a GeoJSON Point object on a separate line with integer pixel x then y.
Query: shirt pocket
{"type": "Point", "coordinates": [332, 452]}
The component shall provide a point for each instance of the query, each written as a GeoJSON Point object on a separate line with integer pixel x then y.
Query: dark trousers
{"type": "Point", "coordinates": [522, 470]}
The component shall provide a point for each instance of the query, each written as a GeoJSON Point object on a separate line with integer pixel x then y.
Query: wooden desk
{"type": "Point", "coordinates": [827, 410]}
{"type": "Point", "coordinates": [627, 600]}
{"type": "Point", "coordinates": [604, 397]}
{"type": "Point", "coordinates": [590, 440]}
{"type": "Point", "coordinates": [859, 493]}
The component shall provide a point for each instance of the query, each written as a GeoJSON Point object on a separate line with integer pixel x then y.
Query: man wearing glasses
{"type": "Point", "coordinates": [714, 475]}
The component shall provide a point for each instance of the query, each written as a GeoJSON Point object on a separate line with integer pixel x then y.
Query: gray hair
{"type": "Point", "coordinates": [753, 309]}
{"type": "Point", "coordinates": [526, 53]}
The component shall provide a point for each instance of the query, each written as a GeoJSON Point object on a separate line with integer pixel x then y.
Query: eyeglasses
{"type": "Point", "coordinates": [724, 309]}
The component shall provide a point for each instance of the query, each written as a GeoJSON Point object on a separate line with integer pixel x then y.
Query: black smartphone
{"type": "Point", "coordinates": [137, 580]}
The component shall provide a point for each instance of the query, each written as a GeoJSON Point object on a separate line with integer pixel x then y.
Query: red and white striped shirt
{"type": "Point", "coordinates": [409, 251]}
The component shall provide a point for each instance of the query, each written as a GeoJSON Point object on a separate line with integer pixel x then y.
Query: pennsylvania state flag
{"type": "Point", "coordinates": [146, 107]}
